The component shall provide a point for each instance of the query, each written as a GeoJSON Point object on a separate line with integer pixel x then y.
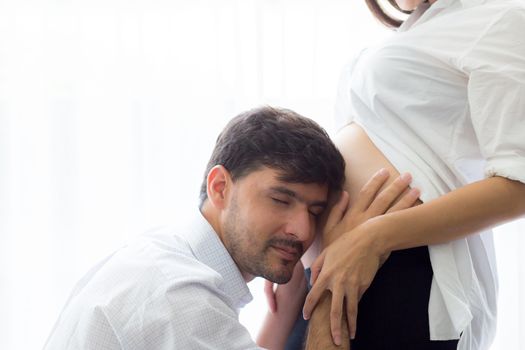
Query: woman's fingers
{"type": "Point", "coordinates": [336, 315]}
{"type": "Point", "coordinates": [406, 201]}
{"type": "Point", "coordinates": [270, 296]}
{"type": "Point", "coordinates": [369, 190]}
{"type": "Point", "coordinates": [318, 287]}
{"type": "Point", "coordinates": [389, 195]}
{"type": "Point", "coordinates": [316, 267]}
{"type": "Point", "coordinates": [351, 314]}
{"type": "Point", "coordinates": [313, 298]}
{"type": "Point", "coordinates": [337, 212]}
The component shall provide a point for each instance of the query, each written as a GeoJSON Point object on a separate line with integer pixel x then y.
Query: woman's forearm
{"type": "Point", "coordinates": [467, 210]}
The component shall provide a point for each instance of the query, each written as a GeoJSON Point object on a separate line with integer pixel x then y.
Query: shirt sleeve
{"type": "Point", "coordinates": [495, 65]}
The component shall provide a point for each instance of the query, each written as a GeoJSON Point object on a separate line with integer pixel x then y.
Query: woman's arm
{"type": "Point", "coordinates": [467, 210]}
{"type": "Point", "coordinates": [348, 267]}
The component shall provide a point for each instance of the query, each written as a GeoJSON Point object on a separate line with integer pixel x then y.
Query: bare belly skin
{"type": "Point", "coordinates": [362, 157]}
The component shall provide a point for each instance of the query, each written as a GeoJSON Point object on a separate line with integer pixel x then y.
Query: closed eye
{"type": "Point", "coordinates": [315, 214]}
{"type": "Point", "coordinates": [280, 201]}
{"type": "Point", "coordinates": [316, 211]}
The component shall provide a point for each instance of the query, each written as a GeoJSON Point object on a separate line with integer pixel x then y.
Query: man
{"type": "Point", "coordinates": [267, 183]}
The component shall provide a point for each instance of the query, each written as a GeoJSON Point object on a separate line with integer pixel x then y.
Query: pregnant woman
{"type": "Point", "coordinates": [443, 98]}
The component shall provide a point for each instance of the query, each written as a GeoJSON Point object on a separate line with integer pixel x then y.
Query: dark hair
{"type": "Point", "coordinates": [377, 7]}
{"type": "Point", "coordinates": [279, 139]}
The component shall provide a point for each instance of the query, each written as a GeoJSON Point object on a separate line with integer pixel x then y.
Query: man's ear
{"type": "Point", "coordinates": [218, 184]}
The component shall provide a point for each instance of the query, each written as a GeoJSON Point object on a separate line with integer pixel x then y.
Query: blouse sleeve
{"type": "Point", "coordinates": [495, 65]}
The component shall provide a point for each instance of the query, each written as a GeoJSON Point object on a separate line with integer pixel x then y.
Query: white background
{"type": "Point", "coordinates": [108, 113]}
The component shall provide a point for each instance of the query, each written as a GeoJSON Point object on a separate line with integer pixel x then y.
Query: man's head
{"type": "Point", "coordinates": [266, 183]}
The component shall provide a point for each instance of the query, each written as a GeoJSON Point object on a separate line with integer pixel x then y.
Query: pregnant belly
{"type": "Point", "coordinates": [395, 306]}
{"type": "Point", "coordinates": [362, 157]}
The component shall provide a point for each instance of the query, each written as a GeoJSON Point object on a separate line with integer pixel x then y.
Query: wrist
{"type": "Point", "coordinates": [379, 236]}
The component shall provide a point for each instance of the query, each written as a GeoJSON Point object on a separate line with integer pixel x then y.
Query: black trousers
{"type": "Point", "coordinates": [393, 312]}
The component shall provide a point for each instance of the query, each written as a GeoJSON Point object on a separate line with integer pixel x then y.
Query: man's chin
{"type": "Point", "coordinates": [279, 270]}
{"type": "Point", "coordinates": [279, 279]}
{"type": "Point", "coordinates": [280, 276]}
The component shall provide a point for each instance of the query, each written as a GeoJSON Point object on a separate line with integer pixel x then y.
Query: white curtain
{"type": "Point", "coordinates": [108, 113]}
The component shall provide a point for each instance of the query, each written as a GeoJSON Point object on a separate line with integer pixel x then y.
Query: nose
{"type": "Point", "coordinates": [300, 225]}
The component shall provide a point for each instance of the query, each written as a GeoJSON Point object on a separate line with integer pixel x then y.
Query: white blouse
{"type": "Point", "coordinates": [444, 99]}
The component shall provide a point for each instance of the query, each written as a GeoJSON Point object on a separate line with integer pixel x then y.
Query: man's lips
{"type": "Point", "coordinates": [287, 253]}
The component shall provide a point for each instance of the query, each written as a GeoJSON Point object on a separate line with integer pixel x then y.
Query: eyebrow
{"type": "Point", "coordinates": [295, 195]}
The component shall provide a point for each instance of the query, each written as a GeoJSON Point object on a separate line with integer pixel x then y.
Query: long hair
{"type": "Point", "coordinates": [377, 7]}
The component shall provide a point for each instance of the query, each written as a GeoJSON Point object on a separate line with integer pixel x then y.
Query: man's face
{"type": "Point", "coordinates": [268, 224]}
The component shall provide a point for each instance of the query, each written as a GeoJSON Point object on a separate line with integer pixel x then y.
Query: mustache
{"type": "Point", "coordinates": [290, 243]}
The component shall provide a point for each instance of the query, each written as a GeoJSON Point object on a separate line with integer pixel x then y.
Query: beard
{"type": "Point", "coordinates": [254, 256]}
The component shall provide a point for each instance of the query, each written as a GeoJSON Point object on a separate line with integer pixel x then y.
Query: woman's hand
{"type": "Point", "coordinates": [349, 263]}
{"type": "Point", "coordinates": [346, 268]}
{"type": "Point", "coordinates": [371, 202]}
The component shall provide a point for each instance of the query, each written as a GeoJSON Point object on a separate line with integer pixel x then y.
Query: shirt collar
{"type": "Point", "coordinates": [426, 11]}
{"type": "Point", "coordinates": [209, 250]}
